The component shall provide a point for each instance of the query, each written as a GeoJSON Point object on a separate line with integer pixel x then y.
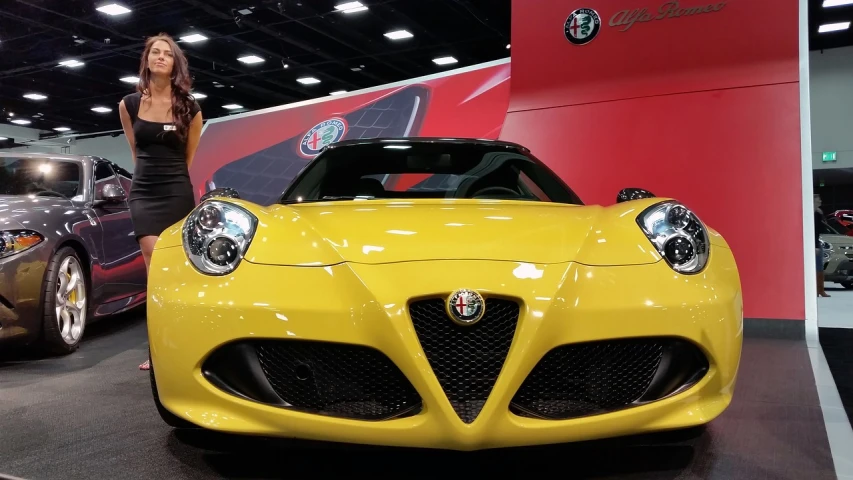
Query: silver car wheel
{"type": "Point", "coordinates": [71, 300]}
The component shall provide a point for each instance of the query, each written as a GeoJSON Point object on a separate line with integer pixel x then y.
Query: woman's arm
{"type": "Point", "coordinates": [193, 137]}
{"type": "Point", "coordinates": [127, 126]}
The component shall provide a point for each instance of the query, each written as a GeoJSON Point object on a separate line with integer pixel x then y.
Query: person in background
{"type": "Point", "coordinates": [162, 123]}
{"type": "Point", "coordinates": [818, 220]}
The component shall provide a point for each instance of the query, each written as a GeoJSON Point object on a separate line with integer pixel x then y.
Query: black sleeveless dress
{"type": "Point", "coordinates": [161, 193]}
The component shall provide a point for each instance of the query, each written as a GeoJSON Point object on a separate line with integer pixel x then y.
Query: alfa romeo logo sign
{"type": "Point", "coordinates": [466, 307]}
{"type": "Point", "coordinates": [321, 135]}
{"type": "Point", "coordinates": [582, 26]}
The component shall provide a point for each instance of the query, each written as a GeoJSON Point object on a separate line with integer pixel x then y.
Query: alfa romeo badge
{"type": "Point", "coordinates": [582, 26]}
{"type": "Point", "coordinates": [466, 307]}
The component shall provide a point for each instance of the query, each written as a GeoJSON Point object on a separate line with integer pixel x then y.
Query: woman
{"type": "Point", "coordinates": [162, 123]}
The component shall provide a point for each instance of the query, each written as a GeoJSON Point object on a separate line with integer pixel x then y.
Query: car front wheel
{"type": "Point", "coordinates": [66, 302]}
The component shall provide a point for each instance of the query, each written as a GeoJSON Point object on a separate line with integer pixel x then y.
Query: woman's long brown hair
{"type": "Point", "coordinates": [181, 83]}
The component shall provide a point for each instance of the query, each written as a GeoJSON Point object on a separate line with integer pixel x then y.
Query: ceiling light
{"type": "Point", "coordinates": [62, 129]}
{"type": "Point", "coordinates": [507, 45]}
{"type": "Point", "coordinates": [399, 34]}
{"type": "Point", "coordinates": [833, 27]}
{"type": "Point", "coordinates": [338, 92]}
{"type": "Point", "coordinates": [444, 60]}
{"type": "Point", "coordinates": [35, 96]}
{"type": "Point", "coordinates": [72, 63]}
{"type": "Point", "coordinates": [130, 79]}
{"type": "Point", "coordinates": [21, 121]}
{"type": "Point", "coordinates": [251, 59]}
{"type": "Point", "coordinates": [198, 95]}
{"type": "Point", "coordinates": [3, 138]}
{"type": "Point", "coordinates": [232, 106]}
{"type": "Point", "coordinates": [101, 109]}
{"type": "Point", "coordinates": [193, 38]}
{"type": "Point", "coordinates": [308, 80]}
{"type": "Point", "coordinates": [836, 3]}
{"type": "Point", "coordinates": [113, 9]}
{"type": "Point", "coordinates": [350, 7]}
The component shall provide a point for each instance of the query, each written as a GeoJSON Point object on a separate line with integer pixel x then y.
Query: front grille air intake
{"type": "Point", "coordinates": [466, 360]}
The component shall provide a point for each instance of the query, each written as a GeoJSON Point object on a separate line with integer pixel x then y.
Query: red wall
{"type": "Point", "coordinates": [703, 108]}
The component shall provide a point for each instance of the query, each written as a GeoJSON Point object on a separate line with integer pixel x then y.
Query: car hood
{"type": "Point", "coordinates": [37, 213]}
{"type": "Point", "coordinates": [837, 239]}
{"type": "Point", "coordinates": [379, 231]}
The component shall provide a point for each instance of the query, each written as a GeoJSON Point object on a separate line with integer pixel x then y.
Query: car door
{"type": "Point", "coordinates": [122, 256]}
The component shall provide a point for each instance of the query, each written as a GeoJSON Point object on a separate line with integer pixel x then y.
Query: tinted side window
{"type": "Point", "coordinates": [125, 178]}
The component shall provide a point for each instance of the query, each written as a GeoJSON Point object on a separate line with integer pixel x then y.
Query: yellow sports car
{"type": "Point", "coordinates": [441, 293]}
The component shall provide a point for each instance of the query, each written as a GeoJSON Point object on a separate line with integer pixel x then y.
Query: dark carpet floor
{"type": "Point", "coordinates": [837, 344]}
{"type": "Point", "coordinates": [90, 416]}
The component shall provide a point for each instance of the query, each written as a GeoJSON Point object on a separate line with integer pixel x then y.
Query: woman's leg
{"type": "Point", "coordinates": [146, 243]}
{"type": "Point", "coordinates": [821, 292]}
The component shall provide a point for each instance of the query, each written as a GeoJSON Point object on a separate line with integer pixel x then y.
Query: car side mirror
{"type": "Point", "coordinates": [111, 193]}
{"type": "Point", "coordinates": [628, 194]}
{"type": "Point", "coordinates": [226, 192]}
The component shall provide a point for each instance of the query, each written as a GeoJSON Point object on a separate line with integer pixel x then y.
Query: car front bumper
{"type": "Point", "coordinates": [21, 281]}
{"type": "Point", "coordinates": [193, 318]}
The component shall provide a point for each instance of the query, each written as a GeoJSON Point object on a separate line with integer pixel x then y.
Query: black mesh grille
{"type": "Point", "coordinates": [590, 378]}
{"type": "Point", "coordinates": [339, 380]}
{"type": "Point", "coordinates": [466, 360]}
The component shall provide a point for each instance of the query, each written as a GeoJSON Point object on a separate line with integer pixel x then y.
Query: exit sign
{"type": "Point", "coordinates": [829, 156]}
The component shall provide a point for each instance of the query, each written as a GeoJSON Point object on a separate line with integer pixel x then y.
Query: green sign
{"type": "Point", "coordinates": [829, 156]}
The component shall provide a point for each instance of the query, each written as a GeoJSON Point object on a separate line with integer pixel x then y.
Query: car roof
{"type": "Point", "coordinates": [430, 140]}
{"type": "Point", "coordinates": [51, 156]}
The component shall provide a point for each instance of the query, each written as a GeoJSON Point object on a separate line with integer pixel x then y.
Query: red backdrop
{"type": "Point", "coordinates": [700, 107]}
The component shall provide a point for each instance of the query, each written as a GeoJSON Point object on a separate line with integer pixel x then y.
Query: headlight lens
{"type": "Point", "coordinates": [16, 241]}
{"type": "Point", "coordinates": [217, 235]}
{"type": "Point", "coordinates": [679, 236]}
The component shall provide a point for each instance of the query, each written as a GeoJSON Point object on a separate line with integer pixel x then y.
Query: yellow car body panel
{"type": "Point", "coordinates": [345, 272]}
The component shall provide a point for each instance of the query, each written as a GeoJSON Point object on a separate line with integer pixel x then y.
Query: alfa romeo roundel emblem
{"type": "Point", "coordinates": [321, 135]}
{"type": "Point", "coordinates": [582, 26]}
{"type": "Point", "coordinates": [466, 307]}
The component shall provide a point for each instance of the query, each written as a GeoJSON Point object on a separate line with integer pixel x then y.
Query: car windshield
{"type": "Point", "coordinates": [39, 176]}
{"type": "Point", "coordinates": [417, 170]}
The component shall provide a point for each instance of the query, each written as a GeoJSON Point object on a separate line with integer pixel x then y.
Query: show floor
{"type": "Point", "coordinates": [90, 415]}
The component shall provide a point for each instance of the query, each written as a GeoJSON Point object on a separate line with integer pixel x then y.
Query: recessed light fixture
{"type": "Point", "coordinates": [833, 27]}
{"type": "Point", "coordinates": [232, 106]}
{"type": "Point", "coordinates": [507, 46]}
{"type": "Point", "coordinates": [250, 59]}
{"type": "Point", "coordinates": [308, 80]}
{"type": "Point", "coordinates": [35, 96]}
{"type": "Point", "coordinates": [836, 3]}
{"type": "Point", "coordinates": [350, 7]}
{"type": "Point", "coordinates": [71, 63]}
{"type": "Point", "coordinates": [399, 34]}
{"type": "Point", "coordinates": [193, 38]}
{"type": "Point", "coordinates": [21, 121]}
{"type": "Point", "coordinates": [198, 95]}
{"type": "Point", "coordinates": [101, 109]}
{"type": "Point", "coordinates": [113, 9]}
{"type": "Point", "coordinates": [62, 129]}
{"type": "Point", "coordinates": [3, 138]}
{"type": "Point", "coordinates": [338, 92]}
{"type": "Point", "coordinates": [130, 79]}
{"type": "Point", "coordinates": [444, 60]}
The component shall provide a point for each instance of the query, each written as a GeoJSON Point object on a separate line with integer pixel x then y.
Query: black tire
{"type": "Point", "coordinates": [847, 285]}
{"type": "Point", "coordinates": [170, 418]}
{"type": "Point", "coordinates": [51, 338]}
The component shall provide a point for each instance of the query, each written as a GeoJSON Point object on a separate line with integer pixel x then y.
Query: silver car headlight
{"type": "Point", "coordinates": [216, 236]}
{"type": "Point", "coordinates": [679, 236]}
{"type": "Point", "coordinates": [17, 241]}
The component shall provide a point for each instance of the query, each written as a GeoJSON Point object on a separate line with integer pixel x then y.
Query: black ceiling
{"type": "Point", "coordinates": [310, 37]}
{"type": "Point", "coordinates": [346, 51]}
{"type": "Point", "coordinates": [820, 15]}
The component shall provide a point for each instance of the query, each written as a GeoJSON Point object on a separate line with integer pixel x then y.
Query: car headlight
{"type": "Point", "coordinates": [16, 241]}
{"type": "Point", "coordinates": [679, 236]}
{"type": "Point", "coordinates": [216, 236]}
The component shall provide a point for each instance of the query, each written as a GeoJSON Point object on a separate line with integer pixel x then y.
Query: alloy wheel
{"type": "Point", "coordinates": [71, 300]}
